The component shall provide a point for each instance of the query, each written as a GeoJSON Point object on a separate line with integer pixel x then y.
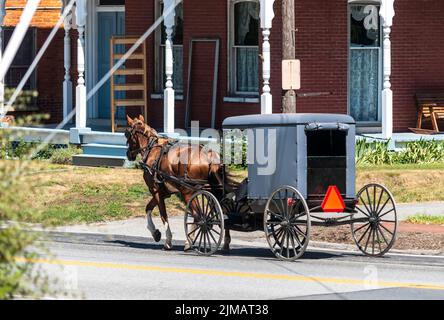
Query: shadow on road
{"type": "Point", "coordinates": [235, 251]}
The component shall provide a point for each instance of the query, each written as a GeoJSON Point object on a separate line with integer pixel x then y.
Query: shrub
{"type": "Point", "coordinates": [373, 153]}
{"type": "Point", "coordinates": [417, 152]}
{"type": "Point", "coordinates": [64, 155]}
{"type": "Point", "coordinates": [19, 276]}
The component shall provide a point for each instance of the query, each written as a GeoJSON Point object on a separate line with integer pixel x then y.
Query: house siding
{"type": "Point", "coordinates": [417, 56]}
{"type": "Point", "coordinates": [322, 47]}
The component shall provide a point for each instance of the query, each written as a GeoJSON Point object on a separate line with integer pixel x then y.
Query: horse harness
{"type": "Point", "coordinates": [154, 170]}
{"type": "Point", "coordinates": [146, 151]}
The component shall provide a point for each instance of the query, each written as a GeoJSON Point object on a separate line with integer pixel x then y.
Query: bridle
{"type": "Point", "coordinates": [145, 151]}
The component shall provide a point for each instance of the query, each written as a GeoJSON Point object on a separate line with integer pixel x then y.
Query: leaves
{"type": "Point", "coordinates": [417, 152]}
{"type": "Point", "coordinates": [18, 275]}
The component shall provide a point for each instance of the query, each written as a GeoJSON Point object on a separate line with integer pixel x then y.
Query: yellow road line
{"type": "Point", "coordinates": [251, 275]}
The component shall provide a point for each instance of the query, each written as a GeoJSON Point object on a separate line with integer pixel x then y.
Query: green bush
{"type": "Point", "coordinates": [64, 155]}
{"type": "Point", "coordinates": [25, 100]}
{"type": "Point", "coordinates": [19, 276]}
{"type": "Point", "coordinates": [417, 152]}
{"type": "Point", "coordinates": [22, 150]}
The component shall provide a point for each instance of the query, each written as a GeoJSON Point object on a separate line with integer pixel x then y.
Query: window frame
{"type": "Point", "coordinates": [232, 53]}
{"type": "Point", "coordinates": [380, 59]}
{"type": "Point", "coordinates": [159, 62]}
{"type": "Point", "coordinates": [33, 78]}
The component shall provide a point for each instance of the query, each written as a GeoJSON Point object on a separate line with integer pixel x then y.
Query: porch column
{"type": "Point", "coordinates": [2, 83]}
{"type": "Point", "coordinates": [387, 13]}
{"type": "Point", "coordinates": [267, 15]}
{"type": "Point", "coordinates": [168, 95]}
{"type": "Point", "coordinates": [81, 13]}
{"type": "Point", "coordinates": [67, 83]}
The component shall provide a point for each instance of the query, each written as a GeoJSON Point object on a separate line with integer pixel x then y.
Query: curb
{"type": "Point", "coordinates": [352, 248]}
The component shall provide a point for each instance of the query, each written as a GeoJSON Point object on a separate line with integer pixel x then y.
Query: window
{"type": "Point", "coordinates": [365, 62]}
{"type": "Point", "coordinates": [244, 47]}
{"type": "Point", "coordinates": [21, 63]}
{"type": "Point", "coordinates": [177, 51]}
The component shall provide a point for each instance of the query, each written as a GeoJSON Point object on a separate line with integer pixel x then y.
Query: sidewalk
{"type": "Point", "coordinates": [406, 210]}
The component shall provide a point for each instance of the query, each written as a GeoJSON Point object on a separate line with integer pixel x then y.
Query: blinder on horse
{"type": "Point", "coordinates": [131, 133]}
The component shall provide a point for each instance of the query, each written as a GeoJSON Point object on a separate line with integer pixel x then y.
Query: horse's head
{"type": "Point", "coordinates": [138, 136]}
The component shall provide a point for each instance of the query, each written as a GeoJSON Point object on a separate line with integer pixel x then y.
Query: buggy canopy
{"type": "Point", "coordinates": [287, 119]}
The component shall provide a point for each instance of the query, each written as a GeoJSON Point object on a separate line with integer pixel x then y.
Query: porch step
{"type": "Point", "coordinates": [104, 149]}
{"type": "Point", "coordinates": [95, 137]}
{"type": "Point", "coordinates": [91, 160]}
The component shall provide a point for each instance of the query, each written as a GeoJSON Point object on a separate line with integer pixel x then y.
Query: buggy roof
{"type": "Point", "coordinates": [281, 119]}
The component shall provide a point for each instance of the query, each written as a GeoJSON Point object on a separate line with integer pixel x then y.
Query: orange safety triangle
{"type": "Point", "coordinates": [333, 201]}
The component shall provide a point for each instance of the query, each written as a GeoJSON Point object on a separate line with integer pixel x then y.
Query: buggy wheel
{"type": "Point", "coordinates": [204, 223]}
{"type": "Point", "coordinates": [376, 208]}
{"type": "Point", "coordinates": [287, 223]}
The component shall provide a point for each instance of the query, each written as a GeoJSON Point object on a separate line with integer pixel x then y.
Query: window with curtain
{"type": "Point", "coordinates": [244, 56]}
{"type": "Point", "coordinates": [21, 63]}
{"type": "Point", "coordinates": [365, 57]}
{"type": "Point", "coordinates": [177, 52]}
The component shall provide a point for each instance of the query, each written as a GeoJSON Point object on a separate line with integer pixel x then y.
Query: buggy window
{"type": "Point", "coordinates": [326, 161]}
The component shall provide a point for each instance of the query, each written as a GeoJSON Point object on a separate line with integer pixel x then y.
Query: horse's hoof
{"type": "Point", "coordinates": [187, 248]}
{"type": "Point", "coordinates": [226, 249]}
{"type": "Point", "coordinates": [157, 235]}
{"type": "Point", "coordinates": [167, 247]}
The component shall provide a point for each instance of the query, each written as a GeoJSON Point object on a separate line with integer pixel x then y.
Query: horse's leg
{"type": "Point", "coordinates": [227, 240]}
{"type": "Point", "coordinates": [164, 216]}
{"type": "Point", "coordinates": [150, 224]}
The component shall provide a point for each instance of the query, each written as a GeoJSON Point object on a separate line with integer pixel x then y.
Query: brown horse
{"type": "Point", "coordinates": [200, 164]}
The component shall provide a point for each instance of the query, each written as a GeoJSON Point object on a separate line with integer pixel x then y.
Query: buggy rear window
{"type": "Point", "coordinates": [326, 161]}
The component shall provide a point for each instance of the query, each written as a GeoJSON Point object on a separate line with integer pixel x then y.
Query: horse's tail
{"type": "Point", "coordinates": [219, 176]}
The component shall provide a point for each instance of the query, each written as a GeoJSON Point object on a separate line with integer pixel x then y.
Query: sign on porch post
{"type": "Point", "coordinates": [387, 13]}
{"type": "Point", "coordinates": [2, 84]}
{"type": "Point", "coordinates": [168, 98]}
{"type": "Point", "coordinates": [267, 16]}
{"type": "Point", "coordinates": [81, 13]}
{"type": "Point", "coordinates": [291, 74]}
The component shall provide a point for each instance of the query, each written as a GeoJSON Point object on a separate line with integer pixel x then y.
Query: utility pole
{"type": "Point", "coordinates": [288, 49]}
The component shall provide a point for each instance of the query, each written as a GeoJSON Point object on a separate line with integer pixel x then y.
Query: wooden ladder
{"type": "Point", "coordinates": [138, 73]}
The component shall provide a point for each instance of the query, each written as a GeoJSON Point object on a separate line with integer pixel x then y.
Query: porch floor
{"type": "Point", "coordinates": [403, 137]}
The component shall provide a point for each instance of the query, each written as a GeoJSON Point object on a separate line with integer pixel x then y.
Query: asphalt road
{"type": "Point", "coordinates": [93, 266]}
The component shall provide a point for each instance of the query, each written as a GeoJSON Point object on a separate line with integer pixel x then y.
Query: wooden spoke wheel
{"type": "Point", "coordinates": [287, 223]}
{"type": "Point", "coordinates": [230, 206]}
{"type": "Point", "coordinates": [204, 223]}
{"type": "Point", "coordinates": [376, 207]}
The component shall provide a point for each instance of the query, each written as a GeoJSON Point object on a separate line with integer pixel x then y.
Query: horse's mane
{"type": "Point", "coordinates": [151, 131]}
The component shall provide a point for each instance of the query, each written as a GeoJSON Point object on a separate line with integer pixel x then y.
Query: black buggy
{"type": "Point", "coordinates": [312, 184]}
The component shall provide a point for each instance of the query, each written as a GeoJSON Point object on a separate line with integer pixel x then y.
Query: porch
{"type": "Point", "coordinates": [91, 95]}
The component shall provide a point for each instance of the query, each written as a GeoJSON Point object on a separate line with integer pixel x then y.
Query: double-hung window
{"type": "Point", "coordinates": [365, 61]}
{"type": "Point", "coordinates": [244, 47]}
{"type": "Point", "coordinates": [20, 65]}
